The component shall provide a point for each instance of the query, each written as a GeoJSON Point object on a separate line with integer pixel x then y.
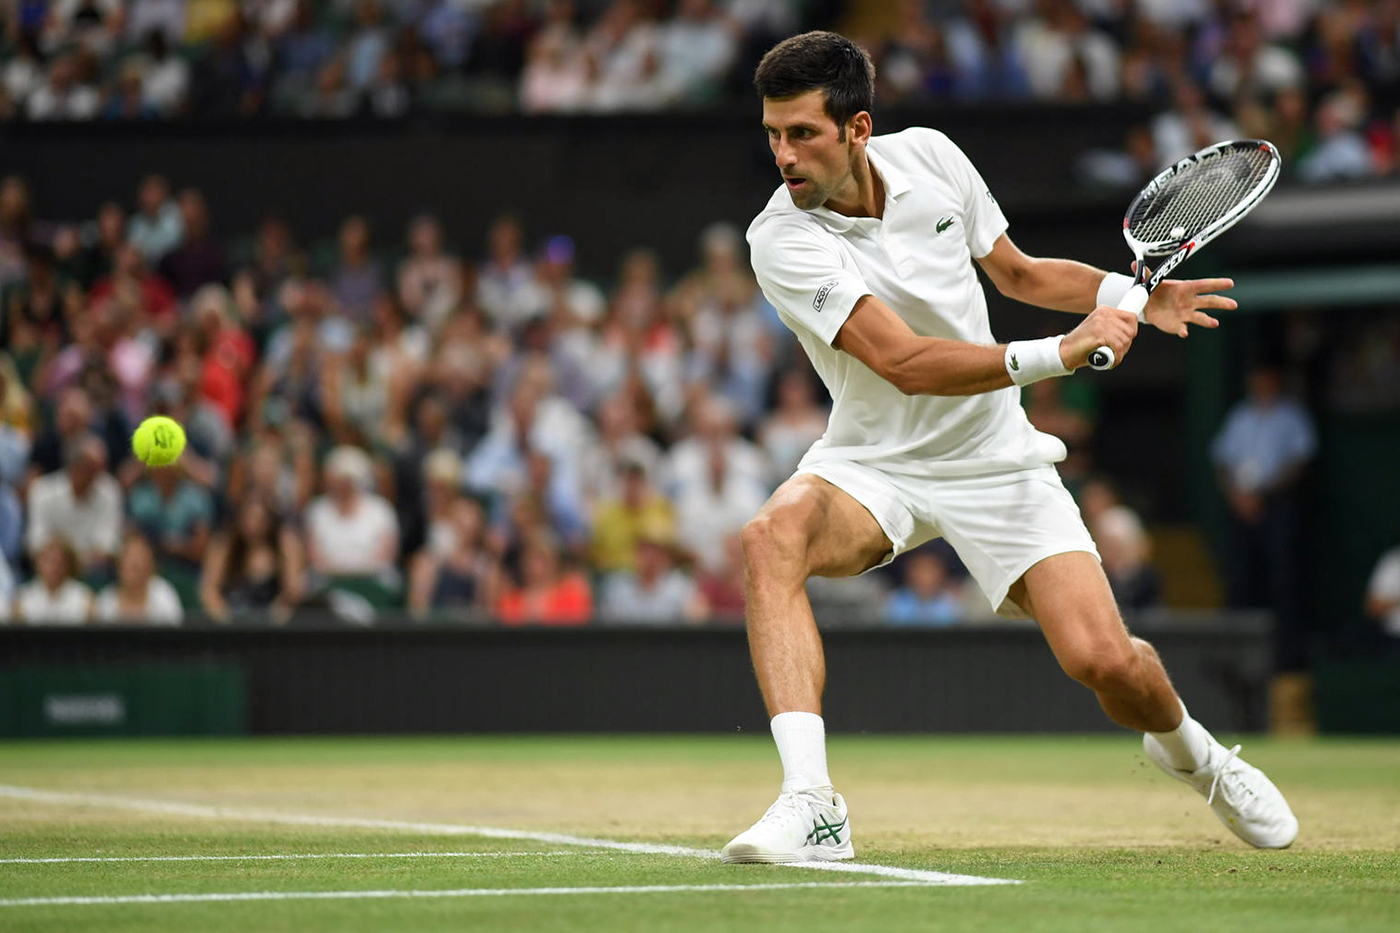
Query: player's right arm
{"type": "Point", "coordinates": [917, 365]}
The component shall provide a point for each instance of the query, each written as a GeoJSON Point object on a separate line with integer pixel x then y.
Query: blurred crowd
{"type": "Point", "coordinates": [1321, 79]}
{"type": "Point", "coordinates": [378, 423]}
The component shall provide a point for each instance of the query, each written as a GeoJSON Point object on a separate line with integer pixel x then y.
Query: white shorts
{"type": "Point", "coordinates": [1000, 524]}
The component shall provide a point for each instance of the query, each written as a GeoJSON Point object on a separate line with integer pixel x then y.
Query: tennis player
{"type": "Point", "coordinates": [867, 252]}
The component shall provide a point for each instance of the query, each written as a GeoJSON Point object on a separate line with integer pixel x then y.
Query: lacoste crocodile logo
{"type": "Point", "coordinates": [944, 224]}
{"type": "Point", "coordinates": [1015, 365]}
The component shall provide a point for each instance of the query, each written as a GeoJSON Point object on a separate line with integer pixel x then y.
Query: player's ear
{"type": "Point", "coordinates": [859, 128]}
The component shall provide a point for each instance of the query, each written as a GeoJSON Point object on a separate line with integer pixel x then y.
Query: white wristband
{"type": "Point", "coordinates": [1030, 361]}
{"type": "Point", "coordinates": [1112, 289]}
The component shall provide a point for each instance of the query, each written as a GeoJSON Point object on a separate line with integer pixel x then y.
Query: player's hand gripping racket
{"type": "Point", "coordinates": [1187, 206]}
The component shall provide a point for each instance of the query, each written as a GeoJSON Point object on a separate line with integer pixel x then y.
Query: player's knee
{"type": "Point", "coordinates": [774, 544]}
{"type": "Point", "coordinates": [1104, 669]}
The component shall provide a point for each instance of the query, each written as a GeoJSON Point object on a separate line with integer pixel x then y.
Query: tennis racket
{"type": "Point", "coordinates": [1187, 206]}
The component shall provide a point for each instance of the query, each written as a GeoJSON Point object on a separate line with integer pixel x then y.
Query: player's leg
{"type": "Point", "coordinates": [1069, 597]}
{"type": "Point", "coordinates": [809, 527]}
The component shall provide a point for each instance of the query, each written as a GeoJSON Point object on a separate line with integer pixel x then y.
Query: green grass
{"type": "Point", "coordinates": [1101, 840]}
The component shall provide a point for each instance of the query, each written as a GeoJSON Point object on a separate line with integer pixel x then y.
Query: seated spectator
{"type": "Point", "coordinates": [80, 506]}
{"type": "Point", "coordinates": [176, 515]}
{"type": "Point", "coordinates": [795, 425]}
{"type": "Point", "coordinates": [927, 596]}
{"type": "Point", "coordinates": [456, 574]}
{"type": "Point", "coordinates": [619, 444]}
{"type": "Point", "coordinates": [1125, 550]}
{"type": "Point", "coordinates": [430, 280]}
{"type": "Point", "coordinates": [254, 566]}
{"type": "Point", "coordinates": [618, 524]}
{"type": "Point", "coordinates": [352, 533]}
{"type": "Point", "coordinates": [357, 278]}
{"type": "Point", "coordinates": [715, 432]}
{"type": "Point", "coordinates": [134, 286]}
{"type": "Point", "coordinates": [53, 597]}
{"type": "Point", "coordinates": [709, 511]}
{"type": "Point", "coordinates": [16, 421]}
{"type": "Point", "coordinates": [155, 229]}
{"type": "Point", "coordinates": [199, 259]}
{"type": "Point", "coordinates": [505, 283]}
{"type": "Point", "coordinates": [722, 587]}
{"type": "Point", "coordinates": [1383, 593]}
{"type": "Point", "coordinates": [655, 591]}
{"type": "Point", "coordinates": [7, 587]}
{"type": "Point", "coordinates": [547, 594]}
{"type": "Point", "coordinates": [139, 596]}
{"type": "Point", "coordinates": [64, 95]}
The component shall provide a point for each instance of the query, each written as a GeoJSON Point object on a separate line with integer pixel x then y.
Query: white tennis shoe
{"type": "Point", "coordinates": [1242, 797]}
{"type": "Point", "coordinates": [800, 826]}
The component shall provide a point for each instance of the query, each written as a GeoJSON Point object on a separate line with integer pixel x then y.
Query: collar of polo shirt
{"type": "Point", "coordinates": [896, 185]}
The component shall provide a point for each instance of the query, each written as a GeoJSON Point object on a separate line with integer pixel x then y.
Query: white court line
{"type": "Point", "coordinates": [273, 858]}
{"type": "Point", "coordinates": [456, 892]}
{"type": "Point", "coordinates": [36, 795]}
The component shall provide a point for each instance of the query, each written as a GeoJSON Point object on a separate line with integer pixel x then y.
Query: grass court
{"type": "Point", "coordinates": [621, 833]}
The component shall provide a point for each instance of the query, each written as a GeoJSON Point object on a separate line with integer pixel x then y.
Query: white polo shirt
{"type": "Point", "coordinates": [815, 265]}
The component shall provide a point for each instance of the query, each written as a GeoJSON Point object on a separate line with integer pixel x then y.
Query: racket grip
{"type": "Point", "coordinates": [1133, 302]}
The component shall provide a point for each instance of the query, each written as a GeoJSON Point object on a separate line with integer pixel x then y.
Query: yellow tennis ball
{"type": "Point", "coordinates": [158, 441]}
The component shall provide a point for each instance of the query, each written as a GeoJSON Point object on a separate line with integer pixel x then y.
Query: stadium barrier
{"type": "Point", "coordinates": [978, 678]}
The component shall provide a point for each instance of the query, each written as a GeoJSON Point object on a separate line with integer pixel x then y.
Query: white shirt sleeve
{"type": "Point", "coordinates": [983, 220]}
{"type": "Point", "coordinates": [804, 273]}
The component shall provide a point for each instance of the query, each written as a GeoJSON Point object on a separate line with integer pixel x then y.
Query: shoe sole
{"type": "Point", "coordinates": [746, 855]}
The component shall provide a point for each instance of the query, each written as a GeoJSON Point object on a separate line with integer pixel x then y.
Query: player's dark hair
{"type": "Point", "coordinates": [824, 61]}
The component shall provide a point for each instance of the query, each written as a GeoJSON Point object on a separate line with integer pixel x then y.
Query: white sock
{"type": "Point", "coordinates": [801, 739]}
{"type": "Point", "coordinates": [1188, 745]}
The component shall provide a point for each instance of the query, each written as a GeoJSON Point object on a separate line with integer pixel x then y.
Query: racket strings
{"type": "Point", "coordinates": [1198, 196]}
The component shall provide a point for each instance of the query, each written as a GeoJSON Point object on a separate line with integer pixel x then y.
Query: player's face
{"type": "Point", "coordinates": [814, 162]}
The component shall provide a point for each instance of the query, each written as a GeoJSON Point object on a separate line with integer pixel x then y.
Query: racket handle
{"type": "Point", "coordinates": [1133, 302]}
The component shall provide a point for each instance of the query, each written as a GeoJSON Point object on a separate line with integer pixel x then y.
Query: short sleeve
{"type": "Point", "coordinates": [803, 272]}
{"type": "Point", "coordinates": [984, 221]}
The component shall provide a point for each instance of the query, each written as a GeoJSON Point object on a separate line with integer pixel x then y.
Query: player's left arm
{"type": "Point", "coordinates": [1066, 285]}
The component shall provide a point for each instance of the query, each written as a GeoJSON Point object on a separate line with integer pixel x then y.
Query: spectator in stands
{"type": "Point", "coordinates": [352, 532]}
{"type": "Point", "coordinates": [63, 95]}
{"type": "Point", "coordinates": [126, 100]}
{"type": "Point", "coordinates": [1260, 453]}
{"type": "Point", "coordinates": [175, 516]}
{"type": "Point", "coordinates": [1248, 66]}
{"type": "Point", "coordinates": [36, 320]}
{"type": "Point", "coordinates": [547, 594]}
{"type": "Point", "coordinates": [23, 72]}
{"type": "Point", "coordinates": [53, 597]}
{"type": "Point", "coordinates": [638, 343]}
{"type": "Point", "coordinates": [1125, 551]}
{"type": "Point", "coordinates": [132, 285]}
{"type": "Point", "coordinates": [716, 504]}
{"type": "Point", "coordinates": [619, 523]}
{"type": "Point", "coordinates": [165, 18]}
{"type": "Point", "coordinates": [7, 588]}
{"type": "Point", "coordinates": [455, 571]}
{"type": "Point", "coordinates": [555, 78]}
{"type": "Point", "coordinates": [504, 284]}
{"type": "Point", "coordinates": [625, 57]}
{"type": "Point", "coordinates": [228, 352]}
{"type": "Point", "coordinates": [619, 446]}
{"type": "Point", "coordinates": [357, 278]}
{"type": "Point", "coordinates": [356, 395]}
{"type": "Point", "coordinates": [928, 597]}
{"type": "Point", "coordinates": [1340, 152]}
{"type": "Point", "coordinates": [16, 422]}
{"type": "Point", "coordinates": [199, 259]}
{"type": "Point", "coordinates": [138, 596]}
{"type": "Point", "coordinates": [1059, 48]}
{"type": "Point", "coordinates": [722, 587]}
{"type": "Point", "coordinates": [367, 46]}
{"type": "Point", "coordinates": [715, 433]}
{"type": "Point", "coordinates": [1383, 593]}
{"type": "Point", "coordinates": [430, 279]}
{"type": "Point", "coordinates": [256, 565]}
{"type": "Point", "coordinates": [97, 256]}
{"type": "Point", "coordinates": [165, 82]}
{"type": "Point", "coordinates": [155, 229]}
{"type": "Point", "coordinates": [16, 223]}
{"type": "Point", "coordinates": [794, 425]}
{"type": "Point", "coordinates": [80, 506]}
{"type": "Point", "coordinates": [720, 305]}
{"type": "Point", "coordinates": [655, 591]}
{"type": "Point", "coordinates": [697, 47]}
{"type": "Point", "coordinates": [1189, 126]}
